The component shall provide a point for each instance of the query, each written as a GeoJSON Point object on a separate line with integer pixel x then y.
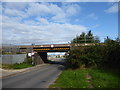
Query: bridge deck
{"type": "Point", "coordinates": [52, 49]}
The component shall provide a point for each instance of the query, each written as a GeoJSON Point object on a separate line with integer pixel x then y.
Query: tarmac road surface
{"type": "Point", "coordinates": [41, 77]}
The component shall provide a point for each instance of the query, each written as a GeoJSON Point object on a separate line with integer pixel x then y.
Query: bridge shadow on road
{"type": "Point", "coordinates": [61, 68]}
{"type": "Point", "coordinates": [61, 64]}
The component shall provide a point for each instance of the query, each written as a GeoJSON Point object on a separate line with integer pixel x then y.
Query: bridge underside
{"type": "Point", "coordinates": [43, 56]}
{"type": "Point", "coordinates": [42, 51]}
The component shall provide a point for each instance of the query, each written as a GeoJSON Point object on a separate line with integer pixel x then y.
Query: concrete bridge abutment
{"type": "Point", "coordinates": [43, 56]}
{"type": "Point", "coordinates": [37, 59]}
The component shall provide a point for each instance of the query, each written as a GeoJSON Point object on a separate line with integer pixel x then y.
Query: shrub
{"type": "Point", "coordinates": [106, 55]}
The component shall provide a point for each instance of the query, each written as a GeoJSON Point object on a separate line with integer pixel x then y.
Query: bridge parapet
{"type": "Point", "coordinates": [55, 45]}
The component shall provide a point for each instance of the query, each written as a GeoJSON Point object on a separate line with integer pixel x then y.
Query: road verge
{"type": "Point", "coordinates": [11, 72]}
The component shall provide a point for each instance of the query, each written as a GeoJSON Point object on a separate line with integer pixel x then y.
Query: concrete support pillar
{"type": "Point", "coordinates": [43, 56]}
{"type": "Point", "coordinates": [37, 59]}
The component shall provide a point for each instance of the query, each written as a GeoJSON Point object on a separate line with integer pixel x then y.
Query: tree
{"type": "Point", "coordinates": [89, 37]}
{"type": "Point", "coordinates": [107, 40]}
{"type": "Point", "coordinates": [86, 38]}
{"type": "Point", "coordinates": [82, 38]}
{"type": "Point", "coordinates": [118, 39]}
{"type": "Point", "coordinates": [97, 40]}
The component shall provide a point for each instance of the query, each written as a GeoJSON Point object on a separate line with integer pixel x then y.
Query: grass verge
{"type": "Point", "coordinates": [77, 79]}
{"type": "Point", "coordinates": [72, 79]}
{"type": "Point", "coordinates": [16, 66]}
{"type": "Point", "coordinates": [104, 78]}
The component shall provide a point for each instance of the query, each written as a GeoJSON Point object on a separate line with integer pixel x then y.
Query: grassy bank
{"type": "Point", "coordinates": [16, 66]}
{"type": "Point", "coordinates": [104, 78]}
{"type": "Point", "coordinates": [87, 78]}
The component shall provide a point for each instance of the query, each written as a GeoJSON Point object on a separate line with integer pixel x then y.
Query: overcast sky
{"type": "Point", "coordinates": [57, 22]}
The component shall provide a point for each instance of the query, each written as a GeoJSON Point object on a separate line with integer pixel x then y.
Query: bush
{"type": "Point", "coordinates": [112, 54]}
{"type": "Point", "coordinates": [106, 55]}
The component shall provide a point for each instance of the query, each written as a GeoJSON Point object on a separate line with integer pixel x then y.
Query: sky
{"type": "Point", "coordinates": [57, 22]}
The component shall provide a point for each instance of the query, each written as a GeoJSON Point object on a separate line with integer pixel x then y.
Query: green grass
{"type": "Point", "coordinates": [77, 79]}
{"type": "Point", "coordinates": [16, 66]}
{"type": "Point", "coordinates": [20, 66]}
{"type": "Point", "coordinates": [72, 79]}
{"type": "Point", "coordinates": [104, 78]}
{"type": "Point", "coordinates": [11, 53]}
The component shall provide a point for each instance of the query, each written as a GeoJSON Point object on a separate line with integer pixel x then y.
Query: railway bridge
{"type": "Point", "coordinates": [42, 50]}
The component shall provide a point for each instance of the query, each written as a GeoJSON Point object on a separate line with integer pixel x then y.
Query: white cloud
{"type": "Point", "coordinates": [50, 33]}
{"type": "Point", "coordinates": [13, 19]}
{"type": "Point", "coordinates": [59, 14]}
{"type": "Point", "coordinates": [92, 16]}
{"type": "Point", "coordinates": [112, 9]}
{"type": "Point", "coordinates": [36, 9]}
{"type": "Point", "coordinates": [43, 21]}
{"type": "Point", "coordinates": [66, 11]}
{"type": "Point", "coordinates": [60, 0]}
{"type": "Point", "coordinates": [30, 22]}
{"type": "Point", "coordinates": [55, 9]}
{"type": "Point", "coordinates": [71, 9]}
{"type": "Point", "coordinates": [59, 18]}
{"type": "Point", "coordinates": [46, 9]}
{"type": "Point", "coordinates": [26, 10]}
{"type": "Point", "coordinates": [16, 5]}
{"type": "Point", "coordinates": [40, 23]}
{"type": "Point", "coordinates": [13, 12]}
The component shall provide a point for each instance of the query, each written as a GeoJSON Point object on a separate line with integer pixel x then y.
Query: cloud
{"type": "Point", "coordinates": [36, 9]}
{"type": "Point", "coordinates": [43, 21]}
{"type": "Point", "coordinates": [59, 14]}
{"type": "Point", "coordinates": [46, 9]}
{"type": "Point", "coordinates": [60, 0]}
{"type": "Point", "coordinates": [92, 16]}
{"type": "Point", "coordinates": [59, 18]}
{"type": "Point", "coordinates": [30, 22]}
{"type": "Point", "coordinates": [50, 33]}
{"type": "Point", "coordinates": [16, 5]}
{"type": "Point", "coordinates": [13, 12]}
{"type": "Point", "coordinates": [71, 9]}
{"type": "Point", "coordinates": [112, 9]}
{"type": "Point", "coordinates": [53, 11]}
{"type": "Point", "coordinates": [39, 22]}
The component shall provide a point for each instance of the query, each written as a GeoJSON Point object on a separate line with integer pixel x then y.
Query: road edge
{"type": "Point", "coordinates": [22, 70]}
